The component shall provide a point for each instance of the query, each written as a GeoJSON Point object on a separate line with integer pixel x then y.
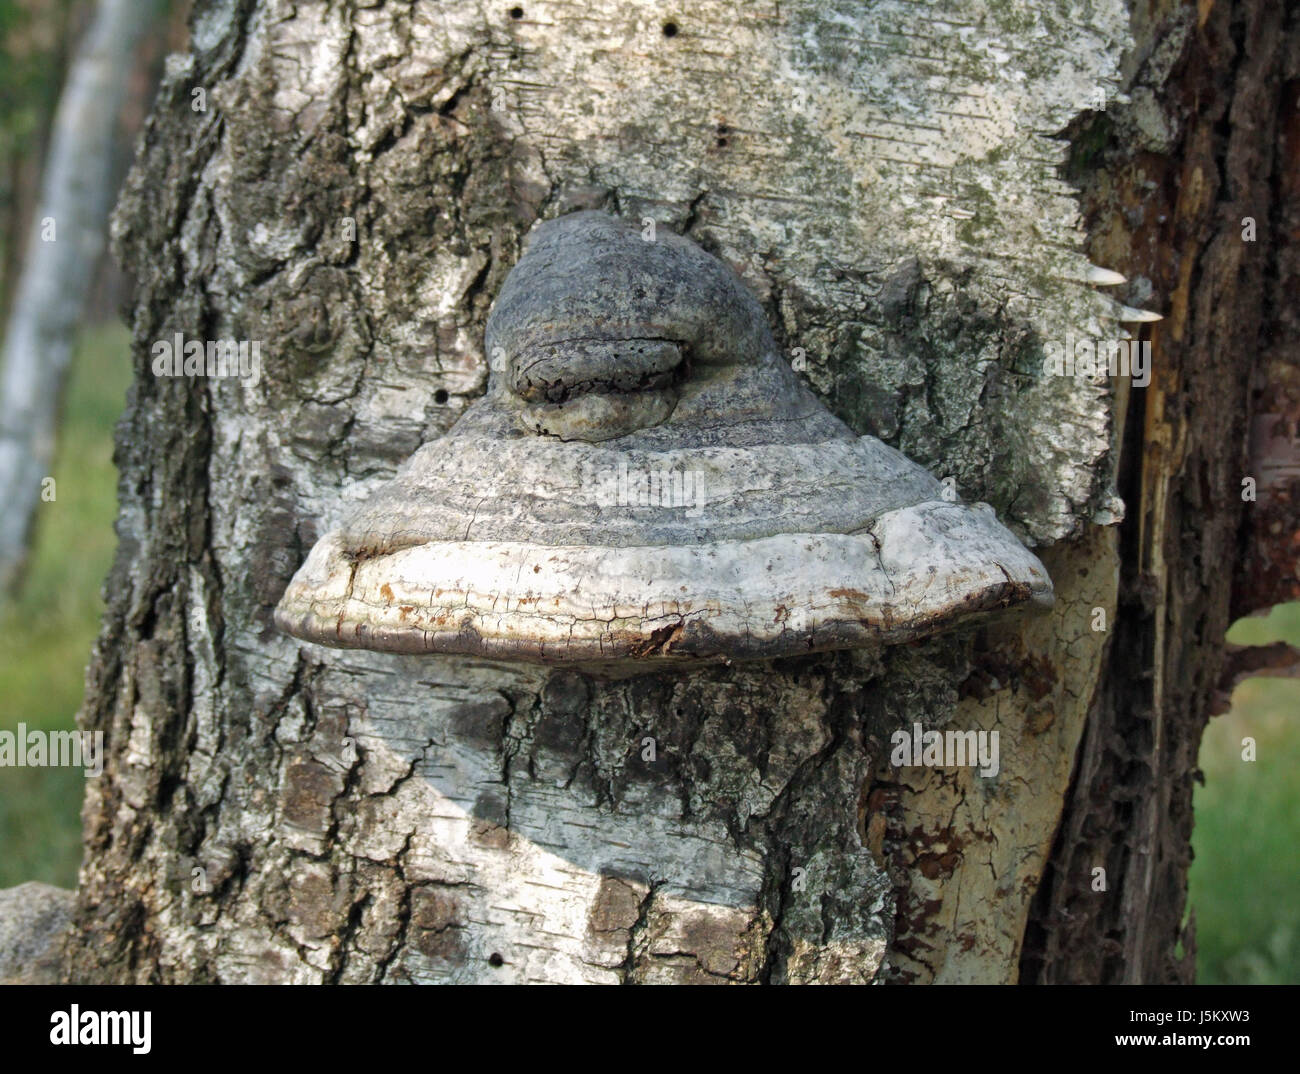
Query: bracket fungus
{"type": "Point", "coordinates": [647, 479]}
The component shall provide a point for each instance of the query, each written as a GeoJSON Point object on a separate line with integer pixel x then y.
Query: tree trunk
{"type": "Point", "coordinates": [890, 181]}
{"type": "Point", "coordinates": [64, 245]}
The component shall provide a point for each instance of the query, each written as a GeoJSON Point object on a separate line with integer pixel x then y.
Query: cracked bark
{"type": "Point", "coordinates": [1174, 195]}
{"type": "Point", "coordinates": [891, 190]}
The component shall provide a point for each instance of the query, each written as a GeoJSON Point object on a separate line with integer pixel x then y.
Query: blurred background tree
{"type": "Point", "coordinates": [48, 625]}
{"type": "Point", "coordinates": [36, 37]}
{"type": "Point", "coordinates": [63, 251]}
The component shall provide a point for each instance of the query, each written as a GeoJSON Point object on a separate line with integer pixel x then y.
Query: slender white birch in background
{"type": "Point", "coordinates": [64, 243]}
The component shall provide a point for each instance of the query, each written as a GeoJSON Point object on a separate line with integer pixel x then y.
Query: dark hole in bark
{"type": "Point", "coordinates": [670, 29]}
{"type": "Point", "coordinates": [440, 396]}
{"type": "Point", "coordinates": [516, 13]}
{"type": "Point", "coordinates": [495, 959]}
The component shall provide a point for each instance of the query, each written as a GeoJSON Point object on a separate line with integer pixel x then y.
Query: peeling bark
{"type": "Point", "coordinates": [1202, 145]}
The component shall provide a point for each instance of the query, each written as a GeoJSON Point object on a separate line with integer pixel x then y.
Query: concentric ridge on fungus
{"type": "Point", "coordinates": [647, 479]}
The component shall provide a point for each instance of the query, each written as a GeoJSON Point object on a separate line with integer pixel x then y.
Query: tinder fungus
{"type": "Point", "coordinates": [647, 479]}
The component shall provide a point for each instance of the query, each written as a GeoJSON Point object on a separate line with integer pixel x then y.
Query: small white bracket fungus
{"type": "Point", "coordinates": [646, 479]}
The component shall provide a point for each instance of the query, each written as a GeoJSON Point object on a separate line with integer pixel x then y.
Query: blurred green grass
{"type": "Point", "coordinates": [47, 633]}
{"type": "Point", "coordinates": [1245, 880]}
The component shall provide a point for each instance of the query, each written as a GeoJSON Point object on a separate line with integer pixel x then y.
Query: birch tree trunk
{"type": "Point", "coordinates": [64, 245]}
{"type": "Point", "coordinates": [914, 191]}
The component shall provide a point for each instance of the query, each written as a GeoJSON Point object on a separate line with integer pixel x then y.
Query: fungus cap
{"type": "Point", "coordinates": [647, 479]}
